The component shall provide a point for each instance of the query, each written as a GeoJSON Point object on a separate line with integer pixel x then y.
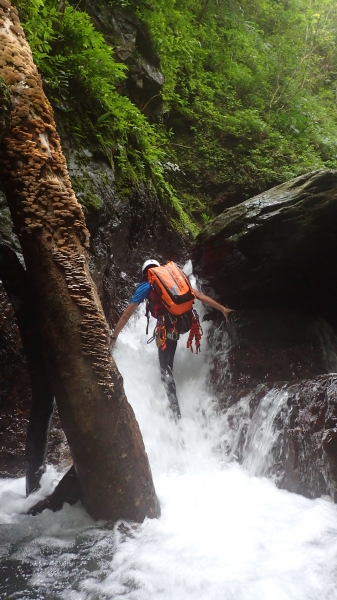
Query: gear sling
{"type": "Point", "coordinates": [172, 297]}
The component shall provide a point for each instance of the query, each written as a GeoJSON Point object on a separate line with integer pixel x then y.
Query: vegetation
{"type": "Point", "coordinates": [249, 98]}
{"type": "Point", "coordinates": [250, 89]}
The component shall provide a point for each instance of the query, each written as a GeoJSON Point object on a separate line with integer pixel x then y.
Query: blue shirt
{"type": "Point", "coordinates": [141, 293]}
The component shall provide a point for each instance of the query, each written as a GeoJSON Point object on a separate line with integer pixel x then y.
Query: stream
{"type": "Point", "coordinates": [226, 532]}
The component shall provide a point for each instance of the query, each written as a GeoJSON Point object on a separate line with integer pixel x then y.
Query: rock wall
{"type": "Point", "coordinates": [272, 259]}
{"type": "Point", "coordinates": [276, 249]}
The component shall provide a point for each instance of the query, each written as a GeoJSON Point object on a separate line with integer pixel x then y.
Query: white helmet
{"type": "Point", "coordinates": [150, 263]}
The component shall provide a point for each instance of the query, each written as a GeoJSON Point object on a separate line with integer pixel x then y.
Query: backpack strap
{"type": "Point", "coordinates": [147, 314]}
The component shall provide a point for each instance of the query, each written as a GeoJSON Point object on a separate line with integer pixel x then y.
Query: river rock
{"type": "Point", "coordinates": [274, 376]}
{"type": "Point", "coordinates": [289, 434]}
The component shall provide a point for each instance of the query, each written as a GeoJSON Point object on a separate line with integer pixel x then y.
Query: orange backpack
{"type": "Point", "coordinates": [172, 287]}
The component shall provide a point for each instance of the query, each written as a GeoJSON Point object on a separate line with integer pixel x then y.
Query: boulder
{"type": "Point", "coordinates": [268, 347]}
{"type": "Point", "coordinates": [308, 445]}
{"type": "Point", "coordinates": [277, 249]}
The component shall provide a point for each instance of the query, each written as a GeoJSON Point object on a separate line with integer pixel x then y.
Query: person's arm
{"type": "Point", "coordinates": [210, 302]}
{"type": "Point", "coordinates": [122, 322]}
{"type": "Point", "coordinates": [141, 293]}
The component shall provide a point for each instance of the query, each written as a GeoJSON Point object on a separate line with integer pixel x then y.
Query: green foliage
{"type": "Point", "coordinates": [75, 60]}
{"type": "Point", "coordinates": [80, 75]}
{"type": "Point", "coordinates": [249, 88]}
{"type": "Point", "coordinates": [39, 19]}
{"type": "Point", "coordinates": [249, 98]}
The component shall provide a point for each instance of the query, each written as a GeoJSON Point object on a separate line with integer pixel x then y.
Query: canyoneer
{"type": "Point", "coordinates": [169, 299]}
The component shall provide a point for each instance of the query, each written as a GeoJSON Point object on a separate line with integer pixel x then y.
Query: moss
{"type": "Point", "coordinates": [83, 188]}
{"type": "Point", "coordinates": [91, 201]}
{"type": "Point", "coordinates": [183, 224]}
{"type": "Point", "coordinates": [197, 208]}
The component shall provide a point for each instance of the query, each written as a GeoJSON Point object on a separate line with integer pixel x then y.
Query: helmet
{"type": "Point", "coordinates": [150, 263]}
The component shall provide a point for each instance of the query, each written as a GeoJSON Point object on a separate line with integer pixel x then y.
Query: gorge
{"type": "Point", "coordinates": [247, 481]}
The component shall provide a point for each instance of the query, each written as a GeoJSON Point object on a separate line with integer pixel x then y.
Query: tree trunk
{"type": "Point", "coordinates": [16, 284]}
{"type": "Point", "coordinates": [100, 425]}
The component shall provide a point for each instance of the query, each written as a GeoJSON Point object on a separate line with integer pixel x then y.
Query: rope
{"type": "Point", "coordinates": [159, 334]}
{"type": "Point", "coordinates": [195, 333]}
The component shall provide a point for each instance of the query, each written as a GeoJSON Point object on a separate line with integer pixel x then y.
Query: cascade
{"type": "Point", "coordinates": [226, 532]}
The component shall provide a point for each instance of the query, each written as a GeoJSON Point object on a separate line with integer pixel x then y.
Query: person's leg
{"type": "Point", "coordinates": [166, 358]}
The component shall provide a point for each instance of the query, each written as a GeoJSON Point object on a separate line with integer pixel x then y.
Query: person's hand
{"type": "Point", "coordinates": [113, 341]}
{"type": "Point", "coordinates": [226, 312]}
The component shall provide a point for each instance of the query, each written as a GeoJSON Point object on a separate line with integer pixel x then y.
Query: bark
{"type": "Point", "coordinates": [16, 284]}
{"type": "Point", "coordinates": [102, 432]}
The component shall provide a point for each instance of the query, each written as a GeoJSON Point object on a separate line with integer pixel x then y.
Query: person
{"type": "Point", "coordinates": [167, 350]}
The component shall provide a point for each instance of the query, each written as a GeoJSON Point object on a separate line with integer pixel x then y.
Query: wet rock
{"type": "Point", "coordinates": [274, 374]}
{"type": "Point", "coordinates": [132, 45]}
{"type": "Point", "coordinates": [277, 249]}
{"type": "Point", "coordinates": [272, 259]}
{"type": "Point", "coordinates": [5, 109]}
{"type": "Point", "coordinates": [125, 228]}
{"type": "Point", "coordinates": [266, 347]}
{"type": "Point", "coordinates": [287, 432]}
{"type": "Point", "coordinates": [308, 461]}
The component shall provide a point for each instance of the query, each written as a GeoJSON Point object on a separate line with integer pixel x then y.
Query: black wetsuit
{"type": "Point", "coordinates": [166, 358]}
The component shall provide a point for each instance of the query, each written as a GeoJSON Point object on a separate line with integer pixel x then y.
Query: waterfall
{"type": "Point", "coordinates": [226, 532]}
{"type": "Point", "coordinates": [262, 434]}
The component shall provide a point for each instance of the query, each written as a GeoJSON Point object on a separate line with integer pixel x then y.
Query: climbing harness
{"type": "Point", "coordinates": [161, 333]}
{"type": "Point", "coordinates": [166, 329]}
{"type": "Point", "coordinates": [195, 333]}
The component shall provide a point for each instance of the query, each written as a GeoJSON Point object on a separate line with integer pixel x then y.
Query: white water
{"type": "Point", "coordinates": [223, 534]}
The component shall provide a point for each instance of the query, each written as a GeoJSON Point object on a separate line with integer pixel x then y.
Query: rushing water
{"type": "Point", "coordinates": [224, 533]}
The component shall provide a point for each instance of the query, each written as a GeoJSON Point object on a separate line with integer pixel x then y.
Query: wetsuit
{"type": "Point", "coordinates": [166, 356]}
